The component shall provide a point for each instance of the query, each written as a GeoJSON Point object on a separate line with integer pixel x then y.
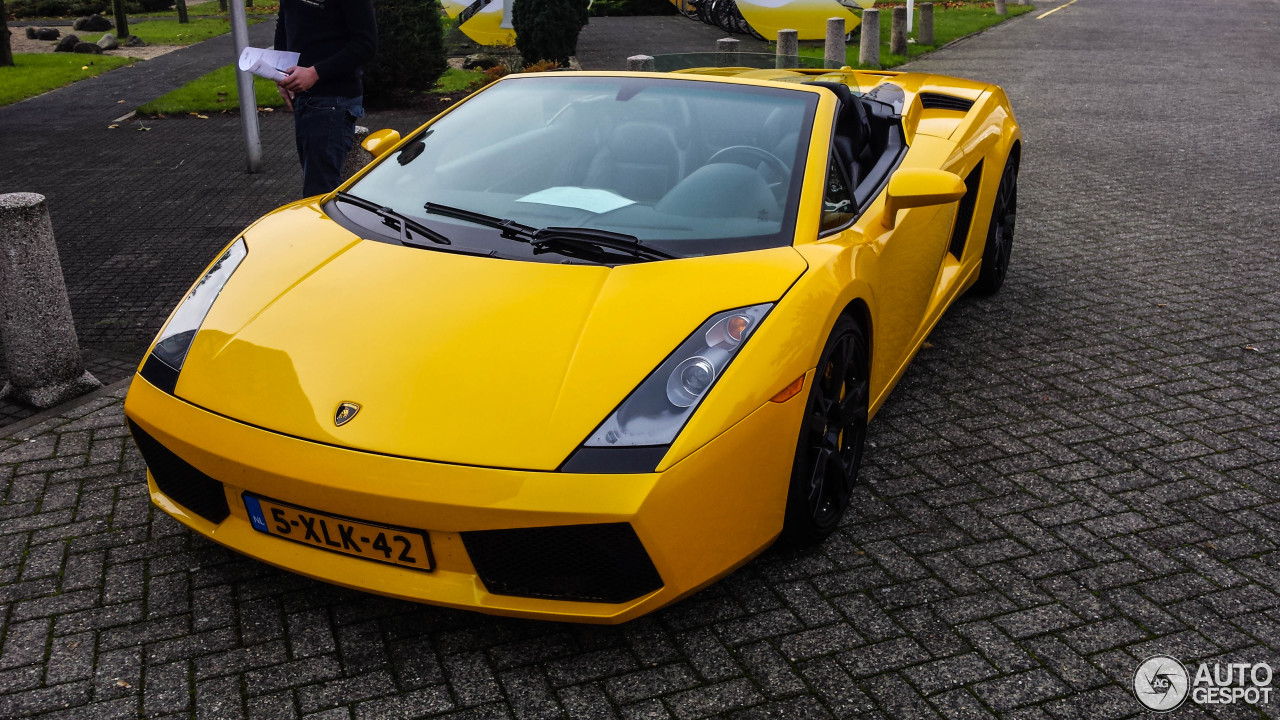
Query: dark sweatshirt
{"type": "Point", "coordinates": [335, 37]}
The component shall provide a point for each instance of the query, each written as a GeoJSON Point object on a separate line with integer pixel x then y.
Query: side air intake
{"type": "Point", "coordinates": [938, 101]}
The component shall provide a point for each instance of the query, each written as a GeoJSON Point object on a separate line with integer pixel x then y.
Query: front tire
{"type": "Point", "coordinates": [1004, 213]}
{"type": "Point", "coordinates": [832, 433]}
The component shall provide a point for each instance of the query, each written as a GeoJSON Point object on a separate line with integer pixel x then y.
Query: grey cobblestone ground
{"type": "Point", "coordinates": [1077, 474]}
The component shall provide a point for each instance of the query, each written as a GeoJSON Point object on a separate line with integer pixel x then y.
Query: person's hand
{"type": "Point", "coordinates": [299, 79]}
{"type": "Point", "coordinates": [287, 95]}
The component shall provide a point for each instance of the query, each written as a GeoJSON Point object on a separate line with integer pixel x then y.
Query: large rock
{"type": "Point", "coordinates": [48, 33]}
{"type": "Point", "coordinates": [31, 33]}
{"type": "Point", "coordinates": [108, 42]}
{"type": "Point", "coordinates": [480, 61]}
{"type": "Point", "coordinates": [132, 41]}
{"type": "Point", "coordinates": [67, 44]}
{"type": "Point", "coordinates": [87, 48]}
{"type": "Point", "coordinates": [92, 23]}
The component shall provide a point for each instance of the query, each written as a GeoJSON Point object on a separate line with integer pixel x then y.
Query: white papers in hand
{"type": "Point", "coordinates": [269, 64]}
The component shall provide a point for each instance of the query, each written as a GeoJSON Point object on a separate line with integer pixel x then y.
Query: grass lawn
{"type": "Point", "coordinates": [171, 32]}
{"type": "Point", "coordinates": [199, 7]}
{"type": "Point", "coordinates": [948, 24]}
{"type": "Point", "coordinates": [36, 73]}
{"type": "Point", "coordinates": [213, 92]}
{"type": "Point", "coordinates": [455, 80]}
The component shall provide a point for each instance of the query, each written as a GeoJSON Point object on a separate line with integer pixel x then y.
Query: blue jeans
{"type": "Point", "coordinates": [325, 129]}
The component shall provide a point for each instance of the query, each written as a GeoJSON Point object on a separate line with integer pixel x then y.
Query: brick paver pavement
{"type": "Point", "coordinates": [1078, 473]}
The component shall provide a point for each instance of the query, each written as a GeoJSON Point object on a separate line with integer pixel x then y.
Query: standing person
{"type": "Point", "coordinates": [334, 39]}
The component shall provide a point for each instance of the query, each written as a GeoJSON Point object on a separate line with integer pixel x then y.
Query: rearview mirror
{"type": "Point", "coordinates": [919, 187]}
{"type": "Point", "coordinates": [378, 143]}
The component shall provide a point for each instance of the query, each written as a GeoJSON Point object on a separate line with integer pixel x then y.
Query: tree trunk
{"type": "Point", "coordinates": [6, 51]}
{"type": "Point", "coordinates": [182, 12]}
{"type": "Point", "coordinates": [122, 22]}
{"type": "Point", "coordinates": [222, 6]}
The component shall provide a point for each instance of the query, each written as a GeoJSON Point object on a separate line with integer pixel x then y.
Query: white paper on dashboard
{"type": "Point", "coordinates": [266, 63]}
{"type": "Point", "coordinates": [589, 199]}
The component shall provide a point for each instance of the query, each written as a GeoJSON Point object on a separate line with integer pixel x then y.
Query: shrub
{"type": "Point", "coordinates": [411, 53]}
{"type": "Point", "coordinates": [80, 8]}
{"type": "Point", "coordinates": [155, 5]}
{"type": "Point", "coordinates": [616, 8]}
{"type": "Point", "coordinates": [40, 8]}
{"type": "Point", "coordinates": [548, 29]}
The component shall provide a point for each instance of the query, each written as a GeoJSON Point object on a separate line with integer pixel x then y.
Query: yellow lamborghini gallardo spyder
{"type": "Point", "coordinates": [585, 342]}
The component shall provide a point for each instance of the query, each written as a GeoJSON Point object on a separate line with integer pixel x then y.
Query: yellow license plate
{"type": "Point", "coordinates": [371, 541]}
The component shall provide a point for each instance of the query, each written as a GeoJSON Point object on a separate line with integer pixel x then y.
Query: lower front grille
{"type": "Point", "coordinates": [186, 485]}
{"type": "Point", "coordinates": [600, 563]}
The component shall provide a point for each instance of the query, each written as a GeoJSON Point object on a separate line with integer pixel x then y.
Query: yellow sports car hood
{"type": "Point", "coordinates": [452, 358]}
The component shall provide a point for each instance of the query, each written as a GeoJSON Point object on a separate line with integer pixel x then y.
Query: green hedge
{"type": "Point", "coordinates": [80, 8]}
{"type": "Point", "coordinates": [411, 54]}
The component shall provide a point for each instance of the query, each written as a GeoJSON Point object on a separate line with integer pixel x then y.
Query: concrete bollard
{"type": "Point", "coordinates": [1000, 8]}
{"type": "Point", "coordinates": [36, 328]}
{"type": "Point", "coordinates": [726, 52]}
{"type": "Point", "coordinates": [925, 36]}
{"type": "Point", "coordinates": [357, 156]}
{"type": "Point", "coordinates": [898, 31]}
{"type": "Point", "coordinates": [869, 47]}
{"type": "Point", "coordinates": [788, 49]}
{"type": "Point", "coordinates": [834, 54]}
{"type": "Point", "coordinates": [640, 63]}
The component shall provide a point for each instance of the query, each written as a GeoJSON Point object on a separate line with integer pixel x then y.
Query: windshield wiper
{"type": "Point", "coordinates": [405, 226]}
{"type": "Point", "coordinates": [510, 228]}
{"type": "Point", "coordinates": [598, 245]}
{"type": "Point", "coordinates": [558, 239]}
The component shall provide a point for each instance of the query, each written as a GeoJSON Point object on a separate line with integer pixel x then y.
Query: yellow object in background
{"type": "Point", "coordinates": [488, 25]}
{"type": "Point", "coordinates": [453, 8]}
{"type": "Point", "coordinates": [807, 17]}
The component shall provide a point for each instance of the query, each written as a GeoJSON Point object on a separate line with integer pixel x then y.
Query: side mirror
{"type": "Point", "coordinates": [919, 187]}
{"type": "Point", "coordinates": [378, 143]}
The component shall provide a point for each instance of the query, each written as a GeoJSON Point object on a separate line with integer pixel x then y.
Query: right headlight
{"type": "Point", "coordinates": [655, 411]}
{"type": "Point", "coordinates": [170, 352]}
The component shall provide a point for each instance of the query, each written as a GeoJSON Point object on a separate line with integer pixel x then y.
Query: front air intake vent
{"type": "Point", "coordinates": [938, 101]}
{"type": "Point", "coordinates": [186, 485]}
{"type": "Point", "coordinates": [600, 563]}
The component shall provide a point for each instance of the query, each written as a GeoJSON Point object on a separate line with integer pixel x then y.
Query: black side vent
{"type": "Point", "coordinates": [189, 487]}
{"type": "Point", "coordinates": [938, 101]}
{"type": "Point", "coordinates": [600, 563]}
{"type": "Point", "coordinates": [964, 213]}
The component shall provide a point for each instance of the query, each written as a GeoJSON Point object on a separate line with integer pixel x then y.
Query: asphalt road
{"type": "Point", "coordinates": [1077, 474]}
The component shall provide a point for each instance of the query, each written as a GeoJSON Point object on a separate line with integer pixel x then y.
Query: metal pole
{"type": "Point", "coordinates": [244, 85]}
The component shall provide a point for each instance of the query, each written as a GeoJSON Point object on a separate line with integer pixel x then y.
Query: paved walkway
{"type": "Point", "coordinates": [1079, 473]}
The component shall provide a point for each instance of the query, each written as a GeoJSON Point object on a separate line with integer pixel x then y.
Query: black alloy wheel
{"type": "Point", "coordinates": [829, 451]}
{"type": "Point", "coordinates": [1004, 214]}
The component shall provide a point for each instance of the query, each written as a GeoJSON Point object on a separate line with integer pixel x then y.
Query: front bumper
{"type": "Point", "coordinates": [696, 521]}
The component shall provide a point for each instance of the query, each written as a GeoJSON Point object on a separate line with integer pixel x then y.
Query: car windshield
{"type": "Point", "coordinates": [684, 166]}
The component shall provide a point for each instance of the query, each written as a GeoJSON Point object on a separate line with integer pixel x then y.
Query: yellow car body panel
{"type": "Point", "coordinates": [467, 417]}
{"type": "Point", "coordinates": [543, 354]}
{"type": "Point", "coordinates": [698, 521]}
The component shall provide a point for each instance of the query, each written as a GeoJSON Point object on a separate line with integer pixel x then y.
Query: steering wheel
{"type": "Point", "coordinates": [752, 156]}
